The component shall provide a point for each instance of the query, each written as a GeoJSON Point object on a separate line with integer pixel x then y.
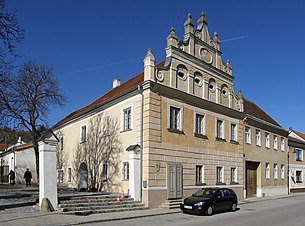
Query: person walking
{"type": "Point", "coordinates": [28, 177]}
{"type": "Point", "coordinates": [12, 177]}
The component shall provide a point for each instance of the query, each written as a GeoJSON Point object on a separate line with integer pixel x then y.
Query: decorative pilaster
{"type": "Point", "coordinates": [149, 66]}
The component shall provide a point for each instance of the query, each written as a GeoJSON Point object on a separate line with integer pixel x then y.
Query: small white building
{"type": "Point", "coordinates": [18, 158]}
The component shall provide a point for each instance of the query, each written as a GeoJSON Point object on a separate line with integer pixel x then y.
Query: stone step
{"type": "Point", "coordinates": [171, 204]}
{"type": "Point", "coordinates": [93, 200]}
{"type": "Point", "coordinates": [115, 206]}
{"type": "Point", "coordinates": [104, 203]}
{"type": "Point", "coordinates": [95, 211]}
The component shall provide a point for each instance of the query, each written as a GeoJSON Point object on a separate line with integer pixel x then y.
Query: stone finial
{"type": "Point", "coordinates": [149, 66]}
{"type": "Point", "coordinates": [216, 41]}
{"type": "Point", "coordinates": [240, 94]}
{"type": "Point", "coordinates": [189, 24]}
{"type": "Point", "coordinates": [202, 20]}
{"type": "Point", "coordinates": [150, 55]}
{"type": "Point", "coordinates": [172, 38]}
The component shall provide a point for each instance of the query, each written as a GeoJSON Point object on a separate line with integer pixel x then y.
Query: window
{"type": "Point", "coordinates": [258, 137]}
{"type": "Point", "coordinates": [275, 142]}
{"type": "Point", "coordinates": [199, 174]}
{"type": "Point", "coordinates": [219, 175]}
{"type": "Point", "coordinates": [62, 143]}
{"type": "Point", "coordinates": [105, 171]}
{"type": "Point", "coordinates": [298, 154]}
{"type": "Point", "coordinates": [219, 129]}
{"type": "Point", "coordinates": [174, 118]}
{"type": "Point", "coordinates": [233, 175]}
{"type": "Point", "coordinates": [199, 124]}
{"type": "Point", "coordinates": [127, 119]}
{"type": "Point", "coordinates": [69, 175]}
{"type": "Point", "coordinates": [275, 171]}
{"type": "Point", "coordinates": [60, 176]}
{"type": "Point", "coordinates": [267, 170]}
{"type": "Point", "coordinates": [282, 144]}
{"type": "Point", "coordinates": [299, 176]}
{"type": "Point", "coordinates": [125, 171]}
{"type": "Point", "coordinates": [282, 171]}
{"type": "Point", "coordinates": [233, 130]}
{"type": "Point", "coordinates": [247, 135]}
{"type": "Point", "coordinates": [267, 140]}
{"type": "Point", "coordinates": [83, 136]}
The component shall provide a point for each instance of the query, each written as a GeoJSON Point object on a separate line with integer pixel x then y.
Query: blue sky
{"type": "Point", "coordinates": [88, 43]}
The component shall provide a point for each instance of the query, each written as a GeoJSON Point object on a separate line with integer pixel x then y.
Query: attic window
{"type": "Point", "coordinates": [197, 81]}
{"type": "Point", "coordinates": [211, 86]}
{"type": "Point", "coordinates": [224, 91]}
{"type": "Point", "coordinates": [181, 75]}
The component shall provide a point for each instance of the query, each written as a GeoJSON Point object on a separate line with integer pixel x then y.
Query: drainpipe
{"type": "Point", "coordinates": [140, 89]}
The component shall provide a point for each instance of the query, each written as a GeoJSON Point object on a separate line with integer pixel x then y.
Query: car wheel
{"type": "Point", "coordinates": [209, 211]}
{"type": "Point", "coordinates": [234, 207]}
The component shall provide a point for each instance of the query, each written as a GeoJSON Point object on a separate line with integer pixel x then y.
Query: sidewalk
{"type": "Point", "coordinates": [56, 218]}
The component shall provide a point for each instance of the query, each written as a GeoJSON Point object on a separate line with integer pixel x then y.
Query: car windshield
{"type": "Point", "coordinates": [206, 192]}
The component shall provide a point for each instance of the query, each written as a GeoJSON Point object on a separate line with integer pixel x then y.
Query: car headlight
{"type": "Point", "coordinates": [199, 204]}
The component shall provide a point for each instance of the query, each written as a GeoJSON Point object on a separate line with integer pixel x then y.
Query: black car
{"type": "Point", "coordinates": [209, 200]}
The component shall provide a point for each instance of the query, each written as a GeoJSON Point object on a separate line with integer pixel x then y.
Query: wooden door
{"type": "Point", "coordinates": [251, 178]}
{"type": "Point", "coordinates": [174, 181]}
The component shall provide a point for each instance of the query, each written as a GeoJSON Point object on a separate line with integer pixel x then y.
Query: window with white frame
{"type": "Point", "coordinates": [127, 119]}
{"type": "Point", "coordinates": [60, 176]}
{"type": "Point", "coordinates": [233, 130]}
{"type": "Point", "coordinates": [298, 154]}
{"type": "Point", "coordinates": [199, 124]}
{"type": "Point", "coordinates": [83, 134]}
{"type": "Point", "coordinates": [247, 135]}
{"type": "Point", "coordinates": [275, 171]}
{"type": "Point", "coordinates": [267, 170]}
{"type": "Point", "coordinates": [199, 174]}
{"type": "Point", "coordinates": [233, 175]}
{"type": "Point", "coordinates": [219, 174]}
{"type": "Point", "coordinates": [275, 142]}
{"type": "Point", "coordinates": [105, 171]}
{"type": "Point", "coordinates": [299, 176]}
{"type": "Point", "coordinates": [258, 137]}
{"type": "Point", "coordinates": [175, 118]}
{"type": "Point", "coordinates": [69, 175]}
{"type": "Point", "coordinates": [62, 143]}
{"type": "Point", "coordinates": [267, 140]}
{"type": "Point", "coordinates": [220, 129]}
{"type": "Point", "coordinates": [282, 171]}
{"type": "Point", "coordinates": [125, 170]}
{"type": "Point", "coordinates": [282, 144]}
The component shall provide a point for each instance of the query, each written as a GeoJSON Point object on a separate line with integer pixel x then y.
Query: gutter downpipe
{"type": "Point", "coordinates": [140, 89]}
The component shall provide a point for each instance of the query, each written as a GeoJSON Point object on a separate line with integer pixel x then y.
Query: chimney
{"type": "Point", "coordinates": [19, 140]}
{"type": "Point", "coordinates": [116, 82]}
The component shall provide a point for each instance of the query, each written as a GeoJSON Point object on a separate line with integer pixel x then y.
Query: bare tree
{"type": "Point", "coordinates": [27, 98]}
{"type": "Point", "coordinates": [102, 147]}
{"type": "Point", "coordinates": [10, 35]}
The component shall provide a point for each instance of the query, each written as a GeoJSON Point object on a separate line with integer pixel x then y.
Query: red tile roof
{"type": "Point", "coordinates": [110, 95]}
{"type": "Point", "coordinates": [252, 109]}
{"type": "Point", "coordinates": [3, 146]}
{"type": "Point", "coordinates": [302, 135]}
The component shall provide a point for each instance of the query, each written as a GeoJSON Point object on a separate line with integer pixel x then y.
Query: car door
{"type": "Point", "coordinates": [228, 199]}
{"type": "Point", "coordinates": [219, 203]}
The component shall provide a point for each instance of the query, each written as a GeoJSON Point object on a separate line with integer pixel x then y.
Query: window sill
{"type": "Point", "coordinates": [220, 139]}
{"type": "Point", "coordinates": [299, 182]}
{"type": "Point", "coordinates": [234, 142]}
{"type": "Point", "coordinates": [234, 183]}
{"type": "Point", "coordinates": [220, 183]}
{"type": "Point", "coordinates": [175, 131]}
{"type": "Point", "coordinates": [299, 160]}
{"type": "Point", "coordinates": [82, 142]}
{"type": "Point", "coordinates": [126, 130]}
{"type": "Point", "coordinates": [200, 184]}
{"type": "Point", "coordinates": [200, 136]}
{"type": "Point", "coordinates": [248, 143]}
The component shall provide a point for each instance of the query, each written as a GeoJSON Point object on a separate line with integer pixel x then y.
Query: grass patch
{"type": "Point", "coordinates": [5, 186]}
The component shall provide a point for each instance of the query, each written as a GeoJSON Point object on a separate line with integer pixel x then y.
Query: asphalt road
{"type": "Point", "coordinates": [278, 212]}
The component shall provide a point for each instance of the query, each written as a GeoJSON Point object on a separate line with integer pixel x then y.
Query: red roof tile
{"type": "Point", "coordinates": [110, 95]}
{"type": "Point", "coordinates": [252, 109]}
{"type": "Point", "coordinates": [302, 135]}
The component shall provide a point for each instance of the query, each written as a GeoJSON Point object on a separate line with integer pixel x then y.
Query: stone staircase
{"type": "Point", "coordinates": [99, 203]}
{"type": "Point", "coordinates": [171, 204]}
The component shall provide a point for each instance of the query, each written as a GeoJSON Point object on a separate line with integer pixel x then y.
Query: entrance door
{"type": "Point", "coordinates": [83, 176]}
{"type": "Point", "coordinates": [174, 181]}
{"type": "Point", "coordinates": [251, 178]}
